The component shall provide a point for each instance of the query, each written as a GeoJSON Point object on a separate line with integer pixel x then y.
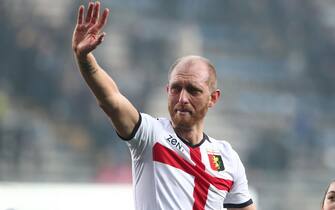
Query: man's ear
{"type": "Point", "coordinates": [214, 97]}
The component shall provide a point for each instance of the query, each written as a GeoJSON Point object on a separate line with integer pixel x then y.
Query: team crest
{"type": "Point", "coordinates": [216, 162]}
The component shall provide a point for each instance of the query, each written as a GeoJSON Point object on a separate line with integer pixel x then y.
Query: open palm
{"type": "Point", "coordinates": [87, 34]}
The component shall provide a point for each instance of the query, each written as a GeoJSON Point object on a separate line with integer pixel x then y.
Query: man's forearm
{"type": "Point", "coordinates": [101, 84]}
{"type": "Point", "coordinates": [87, 64]}
{"type": "Point", "coordinates": [122, 113]}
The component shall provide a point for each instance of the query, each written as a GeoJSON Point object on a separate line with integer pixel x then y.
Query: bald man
{"type": "Point", "coordinates": [175, 164]}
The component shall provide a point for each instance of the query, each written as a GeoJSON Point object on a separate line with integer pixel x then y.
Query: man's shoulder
{"type": "Point", "coordinates": [220, 142]}
{"type": "Point", "coordinates": [165, 122]}
{"type": "Point", "coordinates": [223, 145]}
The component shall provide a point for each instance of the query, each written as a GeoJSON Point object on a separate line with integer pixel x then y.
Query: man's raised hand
{"type": "Point", "coordinates": [87, 34]}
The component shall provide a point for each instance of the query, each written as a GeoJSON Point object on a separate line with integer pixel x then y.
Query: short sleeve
{"type": "Point", "coordinates": [238, 196]}
{"type": "Point", "coordinates": [143, 135]}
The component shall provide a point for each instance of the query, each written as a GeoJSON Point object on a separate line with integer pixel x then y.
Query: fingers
{"type": "Point", "coordinates": [95, 15]}
{"type": "Point", "coordinates": [89, 12]}
{"type": "Point", "coordinates": [80, 15]}
{"type": "Point", "coordinates": [92, 16]}
{"type": "Point", "coordinates": [103, 18]}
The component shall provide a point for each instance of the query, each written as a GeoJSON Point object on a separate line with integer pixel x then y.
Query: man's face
{"type": "Point", "coordinates": [189, 96]}
{"type": "Point", "coordinates": [329, 202]}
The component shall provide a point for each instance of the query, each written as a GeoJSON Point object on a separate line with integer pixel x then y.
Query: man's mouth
{"type": "Point", "coordinates": [183, 111]}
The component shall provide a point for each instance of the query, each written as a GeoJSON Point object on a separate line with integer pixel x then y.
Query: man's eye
{"type": "Point", "coordinates": [332, 197]}
{"type": "Point", "coordinates": [194, 91]}
{"type": "Point", "coordinates": [174, 89]}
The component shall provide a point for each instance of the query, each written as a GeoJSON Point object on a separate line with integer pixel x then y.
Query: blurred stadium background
{"type": "Point", "coordinates": [276, 67]}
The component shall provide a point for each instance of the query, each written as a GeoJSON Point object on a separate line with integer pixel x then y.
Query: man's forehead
{"type": "Point", "coordinates": [186, 82]}
{"type": "Point", "coordinates": [332, 186]}
{"type": "Point", "coordinates": [190, 76]}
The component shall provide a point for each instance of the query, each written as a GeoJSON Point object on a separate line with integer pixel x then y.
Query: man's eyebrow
{"type": "Point", "coordinates": [175, 84]}
{"type": "Point", "coordinates": [193, 86]}
{"type": "Point", "coordinates": [331, 192]}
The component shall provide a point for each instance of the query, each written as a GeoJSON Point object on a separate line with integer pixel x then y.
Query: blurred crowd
{"type": "Point", "coordinates": [275, 63]}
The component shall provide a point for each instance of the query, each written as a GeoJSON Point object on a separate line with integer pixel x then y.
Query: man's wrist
{"type": "Point", "coordinates": [86, 64]}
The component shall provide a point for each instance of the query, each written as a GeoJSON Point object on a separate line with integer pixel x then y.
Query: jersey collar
{"type": "Point", "coordinates": [204, 138]}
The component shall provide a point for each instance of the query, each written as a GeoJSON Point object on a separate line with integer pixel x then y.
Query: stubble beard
{"type": "Point", "coordinates": [187, 122]}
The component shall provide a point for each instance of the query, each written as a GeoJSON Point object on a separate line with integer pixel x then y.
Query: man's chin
{"type": "Point", "coordinates": [182, 122]}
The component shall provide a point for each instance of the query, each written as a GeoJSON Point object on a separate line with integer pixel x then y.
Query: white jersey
{"type": "Point", "coordinates": [171, 174]}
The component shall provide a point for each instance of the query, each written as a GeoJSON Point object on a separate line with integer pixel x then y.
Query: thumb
{"type": "Point", "coordinates": [100, 38]}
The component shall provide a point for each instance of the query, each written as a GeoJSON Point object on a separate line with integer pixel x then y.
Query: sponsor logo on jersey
{"type": "Point", "coordinates": [216, 162]}
{"type": "Point", "coordinates": [174, 142]}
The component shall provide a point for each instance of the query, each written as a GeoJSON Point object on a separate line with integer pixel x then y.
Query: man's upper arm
{"type": "Point", "coordinates": [123, 114]}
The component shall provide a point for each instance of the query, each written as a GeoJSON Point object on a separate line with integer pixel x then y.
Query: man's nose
{"type": "Point", "coordinates": [183, 97]}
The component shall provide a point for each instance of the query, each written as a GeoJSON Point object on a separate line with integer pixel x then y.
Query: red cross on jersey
{"type": "Point", "coordinates": [170, 174]}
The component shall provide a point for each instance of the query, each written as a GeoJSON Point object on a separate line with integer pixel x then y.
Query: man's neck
{"type": "Point", "coordinates": [192, 135]}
